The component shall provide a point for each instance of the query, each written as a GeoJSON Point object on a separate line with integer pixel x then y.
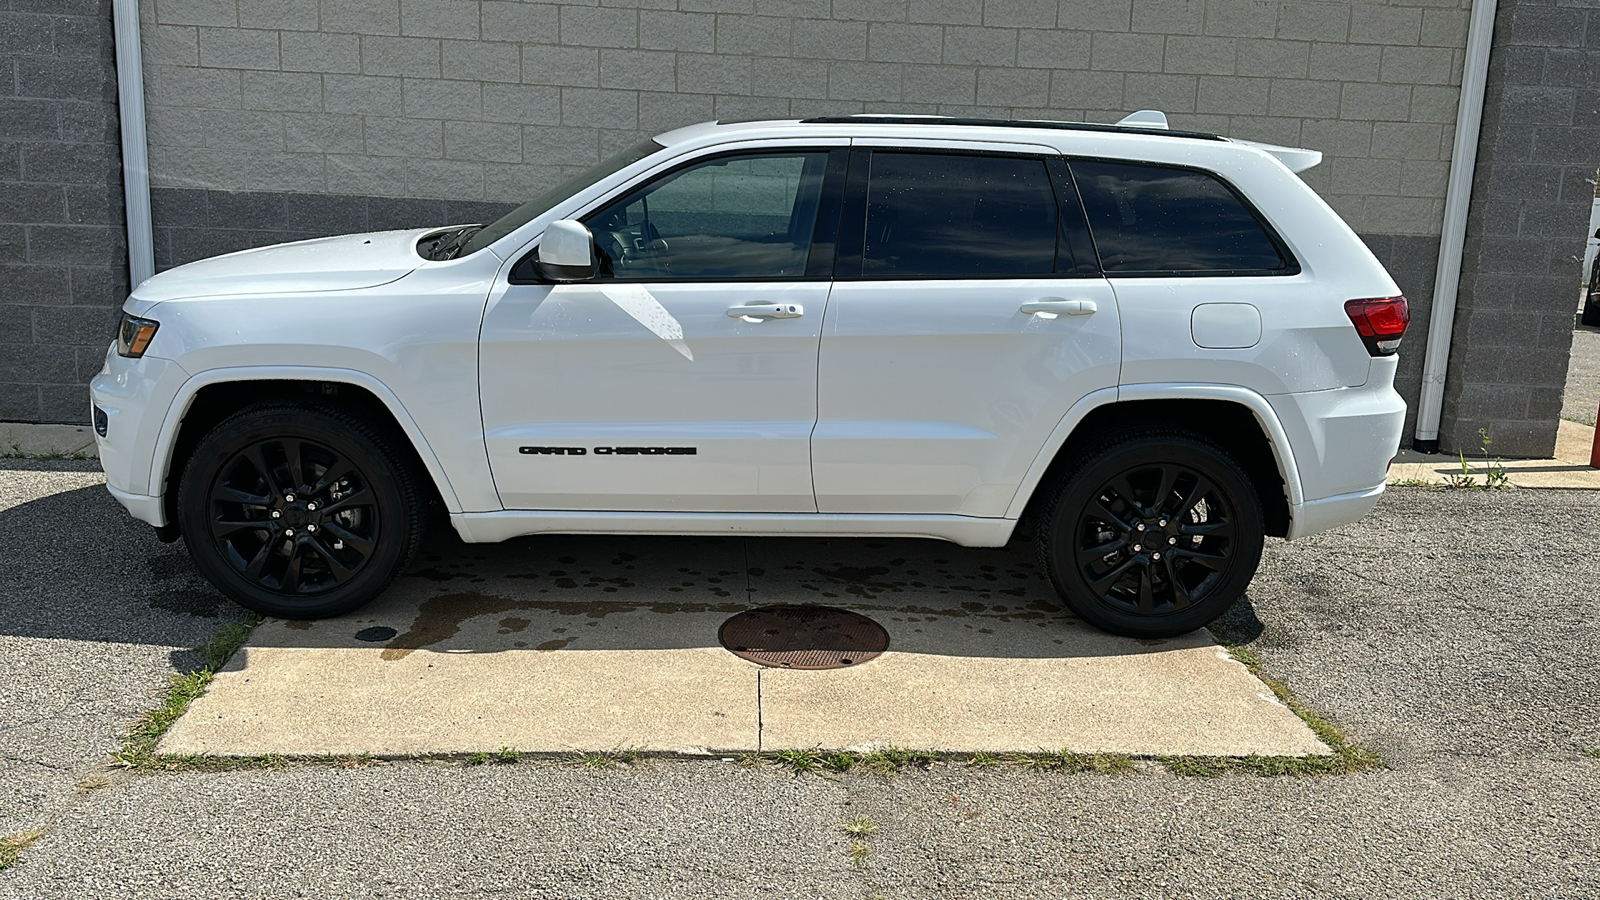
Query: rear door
{"type": "Point", "coordinates": [967, 316]}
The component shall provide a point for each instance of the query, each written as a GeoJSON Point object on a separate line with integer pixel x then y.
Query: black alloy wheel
{"type": "Point", "coordinates": [1153, 535]}
{"type": "Point", "coordinates": [298, 511]}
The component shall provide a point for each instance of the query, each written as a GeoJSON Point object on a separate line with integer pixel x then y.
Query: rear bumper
{"type": "Point", "coordinates": [1331, 512]}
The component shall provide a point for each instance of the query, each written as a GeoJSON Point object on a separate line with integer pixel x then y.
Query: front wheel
{"type": "Point", "coordinates": [1152, 534]}
{"type": "Point", "coordinates": [298, 510]}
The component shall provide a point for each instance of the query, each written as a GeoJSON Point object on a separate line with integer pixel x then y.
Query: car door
{"type": "Point", "coordinates": [967, 316]}
{"type": "Point", "coordinates": [682, 377]}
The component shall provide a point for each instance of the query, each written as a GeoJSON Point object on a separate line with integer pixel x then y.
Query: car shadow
{"type": "Point", "coordinates": [78, 568]}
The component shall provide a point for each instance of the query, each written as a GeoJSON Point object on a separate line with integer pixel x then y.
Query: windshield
{"type": "Point", "coordinates": [542, 204]}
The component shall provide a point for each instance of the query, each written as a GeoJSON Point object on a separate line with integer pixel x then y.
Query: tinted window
{"type": "Point", "coordinates": [732, 217]}
{"type": "Point", "coordinates": [951, 216]}
{"type": "Point", "coordinates": [1156, 220]}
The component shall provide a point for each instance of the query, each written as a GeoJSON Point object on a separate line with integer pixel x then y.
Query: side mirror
{"type": "Point", "coordinates": [566, 252]}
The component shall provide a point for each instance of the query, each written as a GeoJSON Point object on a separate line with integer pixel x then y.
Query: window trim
{"type": "Point", "coordinates": [1291, 266]}
{"type": "Point", "coordinates": [823, 235]}
{"type": "Point", "coordinates": [853, 231]}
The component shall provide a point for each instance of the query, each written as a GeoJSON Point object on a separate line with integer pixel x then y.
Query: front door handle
{"type": "Point", "coordinates": [1060, 307]}
{"type": "Point", "coordinates": [755, 311]}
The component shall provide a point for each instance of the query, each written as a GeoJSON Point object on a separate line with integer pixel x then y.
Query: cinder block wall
{"type": "Point", "coordinates": [64, 266]}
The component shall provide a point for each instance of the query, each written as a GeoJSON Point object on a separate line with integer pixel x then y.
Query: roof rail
{"type": "Point", "coordinates": [1139, 123]}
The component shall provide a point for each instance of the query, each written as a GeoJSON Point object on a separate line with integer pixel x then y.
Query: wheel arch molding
{"type": "Point", "coordinates": [1237, 419]}
{"type": "Point", "coordinates": [207, 398]}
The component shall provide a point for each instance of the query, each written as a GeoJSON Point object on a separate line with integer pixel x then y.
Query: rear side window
{"type": "Point", "coordinates": [1156, 220]}
{"type": "Point", "coordinates": [945, 215]}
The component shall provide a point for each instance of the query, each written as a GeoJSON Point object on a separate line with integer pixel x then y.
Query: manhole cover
{"type": "Point", "coordinates": [803, 637]}
{"type": "Point", "coordinates": [377, 634]}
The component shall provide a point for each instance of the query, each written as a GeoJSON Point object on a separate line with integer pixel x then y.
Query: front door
{"type": "Point", "coordinates": [683, 376]}
{"type": "Point", "coordinates": [964, 323]}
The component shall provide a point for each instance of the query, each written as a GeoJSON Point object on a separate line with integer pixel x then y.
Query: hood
{"type": "Point", "coordinates": [343, 263]}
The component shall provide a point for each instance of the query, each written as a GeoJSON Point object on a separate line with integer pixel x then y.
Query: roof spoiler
{"type": "Point", "coordinates": [1296, 158]}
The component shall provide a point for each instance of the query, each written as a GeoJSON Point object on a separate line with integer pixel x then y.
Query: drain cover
{"type": "Point", "coordinates": [803, 637]}
{"type": "Point", "coordinates": [377, 634]}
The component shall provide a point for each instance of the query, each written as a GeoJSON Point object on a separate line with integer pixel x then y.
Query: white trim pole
{"type": "Point", "coordinates": [1458, 195]}
{"type": "Point", "coordinates": [135, 152]}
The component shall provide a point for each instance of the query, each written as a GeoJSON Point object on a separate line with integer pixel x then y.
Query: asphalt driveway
{"type": "Point", "coordinates": [1456, 633]}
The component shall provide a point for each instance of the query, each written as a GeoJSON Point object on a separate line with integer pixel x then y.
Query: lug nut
{"type": "Point", "coordinates": [311, 528]}
{"type": "Point", "coordinates": [1172, 540]}
{"type": "Point", "coordinates": [311, 507]}
{"type": "Point", "coordinates": [289, 497]}
{"type": "Point", "coordinates": [277, 514]}
{"type": "Point", "coordinates": [288, 532]}
{"type": "Point", "coordinates": [1162, 523]}
{"type": "Point", "coordinates": [1139, 527]}
{"type": "Point", "coordinates": [1137, 548]}
{"type": "Point", "coordinates": [1155, 556]}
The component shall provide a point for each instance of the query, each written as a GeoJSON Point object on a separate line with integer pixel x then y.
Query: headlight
{"type": "Point", "coordinates": [134, 335]}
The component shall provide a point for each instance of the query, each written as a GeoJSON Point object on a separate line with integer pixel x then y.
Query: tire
{"type": "Point", "coordinates": [299, 510]}
{"type": "Point", "coordinates": [1194, 498]}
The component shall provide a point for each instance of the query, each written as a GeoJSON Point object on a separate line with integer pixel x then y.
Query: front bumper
{"type": "Point", "coordinates": [135, 396]}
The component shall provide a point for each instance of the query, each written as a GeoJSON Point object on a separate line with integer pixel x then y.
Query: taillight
{"type": "Point", "coordinates": [1380, 322]}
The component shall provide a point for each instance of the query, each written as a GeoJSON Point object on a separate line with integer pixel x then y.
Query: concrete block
{"type": "Point", "coordinates": [72, 163]}
{"type": "Point", "coordinates": [803, 9]}
{"type": "Point", "coordinates": [361, 16]}
{"type": "Point", "coordinates": [404, 137]}
{"type": "Point", "coordinates": [19, 403]}
{"type": "Point", "coordinates": [1053, 49]}
{"type": "Point", "coordinates": [980, 47]}
{"type": "Point", "coordinates": [27, 35]}
{"type": "Point", "coordinates": [1537, 105]}
{"type": "Point", "coordinates": [1168, 93]}
{"type": "Point", "coordinates": [952, 12]}
{"type": "Point", "coordinates": [1123, 52]}
{"type": "Point", "coordinates": [1337, 137]}
{"type": "Point", "coordinates": [1444, 27]}
{"type": "Point", "coordinates": [362, 174]}
{"type": "Point", "coordinates": [1086, 90]}
{"type": "Point", "coordinates": [327, 214]}
{"type": "Point", "coordinates": [1419, 65]}
{"type": "Point", "coordinates": [830, 40]}
{"type": "Point", "coordinates": [483, 141]}
{"type": "Point", "coordinates": [246, 210]}
{"type": "Point", "coordinates": [429, 178]}
{"type": "Point", "coordinates": [1541, 26]}
{"type": "Point", "coordinates": [637, 69]}
{"type": "Point", "coordinates": [1424, 178]}
{"type": "Point", "coordinates": [941, 85]}
{"type": "Point", "coordinates": [440, 18]}
{"type": "Point", "coordinates": [1201, 55]}
{"type": "Point", "coordinates": [282, 91]}
{"type": "Point", "coordinates": [1387, 25]}
{"type": "Point", "coordinates": [416, 57]}
{"type": "Point", "coordinates": [62, 79]}
{"type": "Point", "coordinates": [694, 32]}
{"type": "Point", "coordinates": [1304, 98]}
{"type": "Point", "coordinates": [1233, 96]}
{"type": "Point", "coordinates": [280, 15]}
{"type": "Point", "coordinates": [24, 203]}
{"type": "Point", "coordinates": [756, 35]}
{"type": "Point", "coordinates": [563, 145]}
{"type": "Point", "coordinates": [518, 182]}
{"type": "Point", "coordinates": [520, 22]}
{"type": "Point", "coordinates": [35, 364]}
{"type": "Point", "coordinates": [1376, 102]}
{"type": "Point", "coordinates": [499, 61]}
{"type": "Point", "coordinates": [599, 27]}
{"type": "Point", "coordinates": [1024, 13]}
{"type": "Point", "coordinates": [1110, 15]}
{"type": "Point", "coordinates": [94, 204]}
{"type": "Point", "coordinates": [319, 53]}
{"type": "Point", "coordinates": [431, 99]}
{"type": "Point", "coordinates": [522, 103]}
{"type": "Point", "coordinates": [726, 108]}
{"type": "Point", "coordinates": [1365, 176]}
{"type": "Point", "coordinates": [1241, 18]}
{"type": "Point", "coordinates": [1434, 103]}
{"type": "Point", "coordinates": [74, 325]}
{"type": "Point", "coordinates": [1406, 140]}
{"type": "Point", "coordinates": [802, 78]}
{"type": "Point", "coordinates": [1170, 17]}
{"type": "Point", "coordinates": [1346, 62]}
{"type": "Point", "coordinates": [186, 88]}
{"type": "Point", "coordinates": [864, 81]}
{"type": "Point", "coordinates": [547, 64]}
{"type": "Point", "coordinates": [1314, 22]}
{"type": "Point", "coordinates": [31, 285]}
{"type": "Point", "coordinates": [89, 122]}
{"type": "Point", "coordinates": [662, 111]}
{"type": "Point", "coordinates": [83, 37]}
{"type": "Point", "coordinates": [169, 45]}
{"type": "Point", "coordinates": [362, 95]}
{"type": "Point", "coordinates": [197, 12]}
{"type": "Point", "coordinates": [31, 120]}
{"type": "Point", "coordinates": [1013, 87]}
{"type": "Point", "coordinates": [899, 42]}
{"type": "Point", "coordinates": [710, 74]}
{"type": "Point", "coordinates": [600, 108]}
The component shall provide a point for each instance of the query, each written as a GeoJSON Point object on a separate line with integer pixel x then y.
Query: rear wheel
{"type": "Point", "coordinates": [299, 511]}
{"type": "Point", "coordinates": [1153, 534]}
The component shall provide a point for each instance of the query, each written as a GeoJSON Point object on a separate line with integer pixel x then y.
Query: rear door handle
{"type": "Point", "coordinates": [767, 311]}
{"type": "Point", "coordinates": [1060, 307]}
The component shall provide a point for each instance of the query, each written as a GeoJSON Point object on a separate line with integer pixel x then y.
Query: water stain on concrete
{"type": "Point", "coordinates": [556, 644]}
{"type": "Point", "coordinates": [188, 602]}
{"type": "Point", "coordinates": [298, 625]}
{"type": "Point", "coordinates": [513, 624]}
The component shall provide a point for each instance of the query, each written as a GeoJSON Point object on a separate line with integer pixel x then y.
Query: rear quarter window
{"type": "Point", "coordinates": [1161, 220]}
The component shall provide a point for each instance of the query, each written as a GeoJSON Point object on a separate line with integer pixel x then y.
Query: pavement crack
{"type": "Point", "coordinates": [759, 723]}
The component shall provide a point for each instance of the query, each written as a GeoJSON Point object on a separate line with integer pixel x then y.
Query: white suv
{"type": "Point", "coordinates": [1155, 348]}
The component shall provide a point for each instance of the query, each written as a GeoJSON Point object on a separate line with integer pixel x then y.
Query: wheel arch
{"type": "Point", "coordinates": [1237, 419]}
{"type": "Point", "coordinates": [208, 398]}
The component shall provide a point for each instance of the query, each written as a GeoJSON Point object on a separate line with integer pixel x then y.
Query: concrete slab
{"type": "Point", "coordinates": [1569, 470]}
{"type": "Point", "coordinates": [20, 439]}
{"type": "Point", "coordinates": [563, 644]}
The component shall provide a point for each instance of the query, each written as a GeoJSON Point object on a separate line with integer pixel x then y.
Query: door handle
{"type": "Point", "coordinates": [755, 311]}
{"type": "Point", "coordinates": [1067, 307]}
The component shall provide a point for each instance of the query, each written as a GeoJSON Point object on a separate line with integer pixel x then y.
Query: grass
{"type": "Point", "coordinates": [1345, 759]}
{"type": "Point", "coordinates": [587, 760]}
{"type": "Point", "coordinates": [1594, 753]}
{"type": "Point", "coordinates": [11, 846]}
{"type": "Point", "coordinates": [139, 747]}
{"type": "Point", "coordinates": [859, 851]}
{"type": "Point", "coordinates": [860, 827]}
{"type": "Point", "coordinates": [1415, 482]}
{"type": "Point", "coordinates": [1073, 763]}
{"type": "Point", "coordinates": [15, 451]}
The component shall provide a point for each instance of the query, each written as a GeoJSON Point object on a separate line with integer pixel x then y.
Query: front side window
{"type": "Point", "coordinates": [745, 216]}
{"type": "Point", "coordinates": [946, 215]}
{"type": "Point", "coordinates": [1157, 220]}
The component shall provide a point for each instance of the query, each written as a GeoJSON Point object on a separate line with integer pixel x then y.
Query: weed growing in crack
{"type": "Point", "coordinates": [860, 826]}
{"type": "Point", "coordinates": [139, 747]}
{"type": "Point", "coordinates": [11, 846]}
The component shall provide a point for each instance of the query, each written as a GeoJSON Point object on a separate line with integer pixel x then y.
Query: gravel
{"type": "Point", "coordinates": [1456, 633]}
